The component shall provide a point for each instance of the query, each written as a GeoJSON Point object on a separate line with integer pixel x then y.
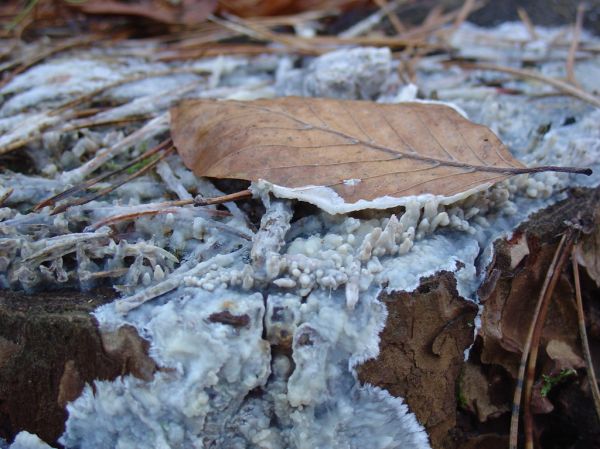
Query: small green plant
{"type": "Point", "coordinates": [551, 381]}
{"type": "Point", "coordinates": [136, 167]}
{"type": "Point", "coordinates": [462, 401]}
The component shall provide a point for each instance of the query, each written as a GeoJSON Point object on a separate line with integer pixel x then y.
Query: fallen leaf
{"type": "Point", "coordinates": [518, 250]}
{"type": "Point", "coordinates": [185, 12]}
{"type": "Point", "coordinates": [254, 8]}
{"type": "Point", "coordinates": [563, 355]}
{"type": "Point", "coordinates": [588, 251]}
{"type": "Point", "coordinates": [540, 404]}
{"type": "Point", "coordinates": [250, 8]}
{"type": "Point", "coordinates": [509, 306]}
{"type": "Point", "coordinates": [361, 151]}
{"type": "Point", "coordinates": [475, 390]}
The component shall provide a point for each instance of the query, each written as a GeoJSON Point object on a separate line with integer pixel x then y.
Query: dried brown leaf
{"type": "Point", "coordinates": [187, 12]}
{"type": "Point", "coordinates": [563, 355]}
{"type": "Point", "coordinates": [361, 150]}
{"type": "Point", "coordinates": [588, 251]}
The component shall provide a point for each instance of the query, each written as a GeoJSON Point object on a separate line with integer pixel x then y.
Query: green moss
{"type": "Point", "coordinates": [551, 381]}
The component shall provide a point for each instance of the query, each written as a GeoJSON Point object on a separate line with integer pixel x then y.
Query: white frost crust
{"type": "Point", "coordinates": [202, 399]}
{"type": "Point", "coordinates": [328, 200]}
{"type": "Point", "coordinates": [430, 256]}
{"type": "Point", "coordinates": [26, 440]}
{"type": "Point", "coordinates": [212, 367]}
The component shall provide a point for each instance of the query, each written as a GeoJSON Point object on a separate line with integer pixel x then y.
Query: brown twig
{"type": "Point", "coordinates": [167, 206]}
{"type": "Point", "coordinates": [516, 408]}
{"type": "Point", "coordinates": [91, 123]}
{"type": "Point", "coordinates": [574, 45]}
{"type": "Point", "coordinates": [373, 20]}
{"type": "Point", "coordinates": [157, 209]}
{"type": "Point", "coordinates": [433, 16]}
{"type": "Point", "coordinates": [392, 16]}
{"type": "Point", "coordinates": [467, 8]}
{"type": "Point", "coordinates": [211, 50]}
{"type": "Point", "coordinates": [435, 21]}
{"type": "Point", "coordinates": [589, 366]}
{"type": "Point", "coordinates": [129, 79]}
{"type": "Point", "coordinates": [242, 194]}
{"type": "Point", "coordinates": [562, 86]}
{"type": "Point", "coordinates": [545, 297]}
{"type": "Point", "coordinates": [52, 200]}
{"type": "Point", "coordinates": [6, 195]}
{"type": "Point", "coordinates": [118, 184]}
{"type": "Point", "coordinates": [527, 22]}
{"type": "Point", "coordinates": [260, 32]}
{"type": "Point", "coordinates": [21, 66]}
{"type": "Point", "coordinates": [317, 44]}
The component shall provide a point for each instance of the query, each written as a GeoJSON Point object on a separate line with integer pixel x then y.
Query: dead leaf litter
{"type": "Point", "coordinates": [321, 274]}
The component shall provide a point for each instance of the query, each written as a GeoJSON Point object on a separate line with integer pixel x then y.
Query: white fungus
{"type": "Point", "coordinates": [258, 333]}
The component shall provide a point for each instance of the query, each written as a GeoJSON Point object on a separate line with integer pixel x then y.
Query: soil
{"type": "Point", "coordinates": [50, 347]}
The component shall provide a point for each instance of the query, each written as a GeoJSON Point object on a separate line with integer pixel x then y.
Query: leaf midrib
{"type": "Point", "coordinates": [413, 156]}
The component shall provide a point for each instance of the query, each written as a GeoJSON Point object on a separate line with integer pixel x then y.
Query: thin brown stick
{"type": "Point", "coordinates": [589, 366]}
{"type": "Point", "coordinates": [315, 44]}
{"type": "Point", "coordinates": [433, 16]}
{"type": "Point", "coordinates": [467, 8]}
{"type": "Point", "coordinates": [262, 33]}
{"type": "Point", "coordinates": [242, 194]}
{"type": "Point", "coordinates": [91, 123]}
{"type": "Point", "coordinates": [66, 193]}
{"type": "Point", "coordinates": [118, 184]}
{"type": "Point", "coordinates": [574, 45]}
{"type": "Point", "coordinates": [516, 407]}
{"type": "Point", "coordinates": [376, 41]}
{"type": "Point", "coordinates": [211, 49]}
{"type": "Point", "coordinates": [366, 25]}
{"type": "Point", "coordinates": [546, 296]}
{"type": "Point", "coordinates": [62, 46]}
{"type": "Point", "coordinates": [130, 79]}
{"type": "Point", "coordinates": [434, 22]}
{"type": "Point", "coordinates": [160, 208]}
{"type": "Point", "coordinates": [6, 195]}
{"type": "Point", "coordinates": [562, 86]}
{"type": "Point", "coordinates": [527, 22]}
{"type": "Point", "coordinates": [117, 272]}
{"type": "Point", "coordinates": [392, 16]}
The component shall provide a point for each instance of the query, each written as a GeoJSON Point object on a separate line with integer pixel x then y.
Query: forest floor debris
{"type": "Point", "coordinates": [195, 277]}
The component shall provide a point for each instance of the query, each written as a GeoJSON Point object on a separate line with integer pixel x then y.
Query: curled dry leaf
{"type": "Point", "coordinates": [185, 12]}
{"type": "Point", "coordinates": [588, 250]}
{"type": "Point", "coordinates": [343, 155]}
{"type": "Point", "coordinates": [253, 8]}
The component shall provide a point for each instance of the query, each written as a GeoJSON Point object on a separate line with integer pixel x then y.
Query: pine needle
{"type": "Point", "coordinates": [562, 86]}
{"type": "Point", "coordinates": [107, 190]}
{"type": "Point", "coordinates": [574, 45]}
{"type": "Point", "coordinates": [65, 194]}
{"type": "Point", "coordinates": [589, 366]}
{"type": "Point", "coordinates": [516, 408]}
{"type": "Point", "coordinates": [527, 23]}
{"type": "Point", "coordinates": [545, 297]}
{"type": "Point", "coordinates": [156, 209]}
